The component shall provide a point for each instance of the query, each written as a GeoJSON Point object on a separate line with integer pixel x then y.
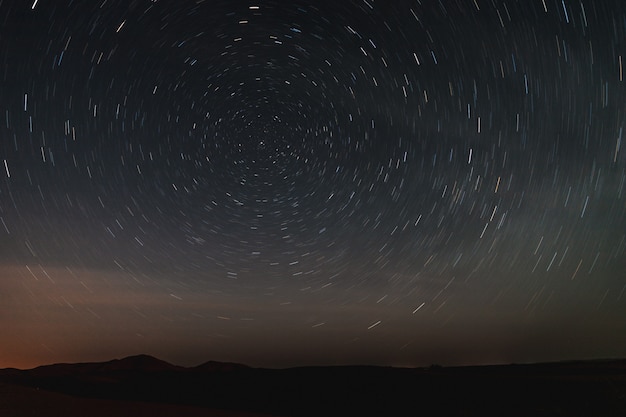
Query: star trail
{"type": "Point", "coordinates": [312, 182]}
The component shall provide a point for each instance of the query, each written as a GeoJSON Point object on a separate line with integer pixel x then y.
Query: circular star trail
{"type": "Point", "coordinates": [385, 182]}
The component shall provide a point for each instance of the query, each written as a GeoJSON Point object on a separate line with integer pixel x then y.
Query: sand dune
{"type": "Point", "coordinates": [19, 401]}
{"type": "Point", "coordinates": [145, 386]}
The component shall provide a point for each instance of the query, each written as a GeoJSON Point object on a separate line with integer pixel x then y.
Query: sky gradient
{"type": "Point", "coordinates": [320, 182]}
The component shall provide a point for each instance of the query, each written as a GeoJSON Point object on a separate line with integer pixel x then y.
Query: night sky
{"type": "Point", "coordinates": [312, 182]}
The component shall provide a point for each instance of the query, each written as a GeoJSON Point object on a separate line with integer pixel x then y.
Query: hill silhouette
{"type": "Point", "coordinates": [589, 388]}
{"type": "Point", "coordinates": [139, 363]}
{"type": "Point", "coordinates": [220, 366]}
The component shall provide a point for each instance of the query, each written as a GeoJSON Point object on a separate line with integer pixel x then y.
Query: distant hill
{"type": "Point", "coordinates": [584, 388]}
{"type": "Point", "coordinates": [212, 366]}
{"type": "Point", "coordinates": [139, 363]}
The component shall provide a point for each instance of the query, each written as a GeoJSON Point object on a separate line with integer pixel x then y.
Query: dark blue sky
{"type": "Point", "coordinates": [312, 183]}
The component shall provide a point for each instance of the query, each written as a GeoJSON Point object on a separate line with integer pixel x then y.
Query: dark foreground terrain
{"type": "Point", "coordinates": [142, 385]}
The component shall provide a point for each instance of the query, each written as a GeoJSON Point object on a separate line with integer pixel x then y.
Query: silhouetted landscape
{"type": "Point", "coordinates": [144, 385]}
